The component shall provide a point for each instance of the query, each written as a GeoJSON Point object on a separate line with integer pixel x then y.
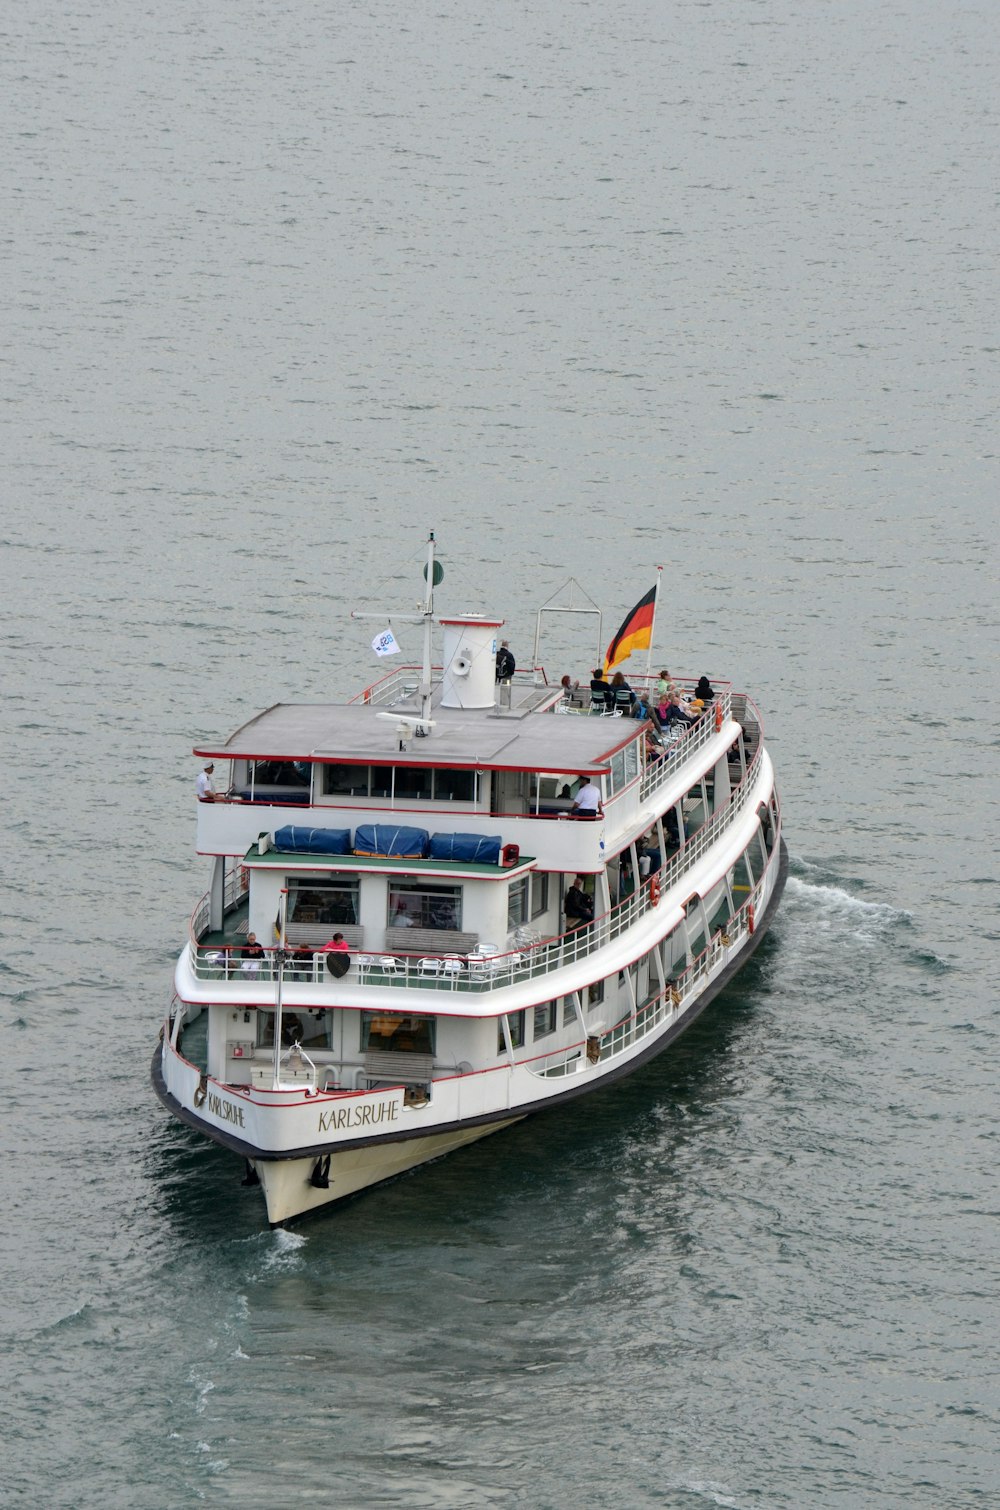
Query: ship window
{"type": "Point", "coordinates": [544, 1020]}
{"type": "Point", "coordinates": [403, 1035]}
{"type": "Point", "coordinates": [515, 1021]}
{"type": "Point", "coordinates": [413, 783]}
{"type": "Point", "coordinates": [323, 899]}
{"type": "Point", "coordinates": [517, 902]}
{"type": "Point", "coordinates": [421, 904]}
{"type": "Point", "coordinates": [312, 1029]}
{"type": "Point", "coordinates": [539, 894]}
{"type": "Point", "coordinates": [631, 754]}
{"type": "Point", "coordinates": [381, 781]}
{"type": "Point", "coordinates": [695, 927]}
{"type": "Point", "coordinates": [595, 993]}
{"type": "Point", "coordinates": [345, 780]}
{"type": "Point", "coordinates": [455, 786]}
{"type": "Point", "coordinates": [618, 770]}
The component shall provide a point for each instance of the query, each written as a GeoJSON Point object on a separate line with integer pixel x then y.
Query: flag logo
{"type": "Point", "coordinates": [385, 643]}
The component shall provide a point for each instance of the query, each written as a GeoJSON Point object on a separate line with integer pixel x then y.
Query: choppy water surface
{"type": "Point", "coordinates": [584, 289]}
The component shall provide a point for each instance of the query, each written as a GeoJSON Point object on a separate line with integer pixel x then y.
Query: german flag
{"type": "Point", "coordinates": [636, 632]}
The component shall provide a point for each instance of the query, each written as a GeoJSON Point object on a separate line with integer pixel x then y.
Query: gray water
{"type": "Point", "coordinates": [585, 289]}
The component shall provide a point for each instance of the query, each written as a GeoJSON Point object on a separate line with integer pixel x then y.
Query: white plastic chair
{"type": "Point", "coordinates": [364, 963]}
{"type": "Point", "coordinates": [430, 966]}
{"type": "Point", "coordinates": [485, 951]}
{"type": "Point", "coordinates": [389, 964]}
{"type": "Point", "coordinates": [451, 967]}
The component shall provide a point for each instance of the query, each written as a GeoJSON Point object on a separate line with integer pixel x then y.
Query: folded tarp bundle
{"type": "Point", "coordinates": [483, 849]}
{"type": "Point", "coordinates": [391, 840]}
{"type": "Point", "coordinates": [293, 839]}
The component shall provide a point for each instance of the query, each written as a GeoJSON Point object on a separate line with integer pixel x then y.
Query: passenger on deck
{"type": "Point", "coordinates": [588, 801]}
{"type": "Point", "coordinates": [578, 905]}
{"type": "Point", "coordinates": [621, 692]}
{"type": "Point", "coordinates": [336, 945]}
{"type": "Point", "coordinates": [251, 949]}
{"type": "Point", "coordinates": [601, 697]}
{"type": "Point", "coordinates": [569, 689]}
{"type": "Point", "coordinates": [676, 713]}
{"type": "Point", "coordinates": [652, 853]}
{"type": "Point", "coordinates": [704, 689]}
{"type": "Point", "coordinates": [506, 665]}
{"type": "Point", "coordinates": [665, 689]}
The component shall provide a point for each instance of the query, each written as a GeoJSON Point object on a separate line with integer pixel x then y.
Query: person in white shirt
{"type": "Point", "coordinates": [588, 801]}
{"type": "Point", "coordinates": [205, 785]}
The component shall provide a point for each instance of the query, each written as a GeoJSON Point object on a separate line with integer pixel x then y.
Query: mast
{"type": "Point", "coordinates": [652, 627]}
{"type": "Point", "coordinates": [425, 674]}
{"type": "Point", "coordinates": [279, 959]}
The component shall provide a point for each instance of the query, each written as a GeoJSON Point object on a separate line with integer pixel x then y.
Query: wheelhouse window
{"type": "Point", "coordinates": [423, 904]}
{"type": "Point", "coordinates": [323, 899]}
{"type": "Point", "coordinates": [345, 780]}
{"type": "Point", "coordinates": [400, 1035]}
{"type": "Point", "coordinates": [405, 783]}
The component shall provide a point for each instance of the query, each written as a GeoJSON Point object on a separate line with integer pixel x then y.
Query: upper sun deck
{"type": "Point", "coordinates": [523, 737]}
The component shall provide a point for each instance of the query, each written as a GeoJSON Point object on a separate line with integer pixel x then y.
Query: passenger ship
{"type": "Point", "coordinates": [429, 823]}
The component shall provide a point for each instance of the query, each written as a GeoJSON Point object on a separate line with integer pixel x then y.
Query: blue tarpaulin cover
{"type": "Point", "coordinates": [391, 840]}
{"type": "Point", "coordinates": [293, 839]}
{"type": "Point", "coordinates": [484, 849]}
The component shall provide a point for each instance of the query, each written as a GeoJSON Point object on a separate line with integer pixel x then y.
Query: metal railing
{"type": "Point", "coordinates": [469, 972]}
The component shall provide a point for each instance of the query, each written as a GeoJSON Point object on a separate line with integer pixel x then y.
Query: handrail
{"type": "Point", "coordinates": [227, 961]}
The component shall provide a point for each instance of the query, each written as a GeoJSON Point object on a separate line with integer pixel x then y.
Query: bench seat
{"type": "Point", "coordinates": [429, 941]}
{"type": "Point", "coordinates": [315, 935]}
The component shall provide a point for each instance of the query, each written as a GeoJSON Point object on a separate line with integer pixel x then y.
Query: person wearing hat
{"type": "Point", "coordinates": [588, 800]}
{"type": "Point", "coordinates": [205, 785]}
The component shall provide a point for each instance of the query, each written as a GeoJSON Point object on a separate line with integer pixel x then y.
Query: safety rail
{"type": "Point", "coordinates": [472, 972]}
{"type": "Point", "coordinates": [403, 682]}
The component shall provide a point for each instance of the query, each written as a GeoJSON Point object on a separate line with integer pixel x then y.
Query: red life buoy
{"type": "Point", "coordinates": [750, 917]}
{"type": "Point", "coordinates": [718, 717]}
{"type": "Point", "coordinates": [654, 890]}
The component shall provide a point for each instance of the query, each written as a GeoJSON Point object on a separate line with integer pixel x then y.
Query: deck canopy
{"type": "Point", "coordinates": [463, 738]}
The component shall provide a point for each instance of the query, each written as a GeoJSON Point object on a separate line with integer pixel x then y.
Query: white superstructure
{"type": "Point", "coordinates": [429, 823]}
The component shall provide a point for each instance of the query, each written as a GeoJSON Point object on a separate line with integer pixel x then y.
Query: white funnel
{"type": "Point", "coordinates": [468, 679]}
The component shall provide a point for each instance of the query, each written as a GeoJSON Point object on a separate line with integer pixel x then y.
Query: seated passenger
{"type": "Point", "coordinates": [704, 689]}
{"type": "Point", "coordinates": [579, 906]}
{"type": "Point", "coordinates": [601, 696]}
{"type": "Point", "coordinates": [621, 692]}
{"type": "Point", "coordinates": [675, 712]}
{"type": "Point", "coordinates": [251, 949]}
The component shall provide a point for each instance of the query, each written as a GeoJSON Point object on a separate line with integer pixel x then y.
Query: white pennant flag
{"type": "Point", "coordinates": [385, 643]}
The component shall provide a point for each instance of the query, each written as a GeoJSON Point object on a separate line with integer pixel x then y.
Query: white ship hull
{"type": "Point", "coordinates": [430, 921]}
{"type": "Point", "coordinates": [309, 1150]}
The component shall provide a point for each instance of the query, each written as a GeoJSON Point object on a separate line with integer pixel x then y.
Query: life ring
{"type": "Point", "coordinates": [654, 891]}
{"type": "Point", "coordinates": [750, 920]}
{"type": "Point", "coordinates": [201, 1091]}
{"type": "Point", "coordinates": [718, 717]}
